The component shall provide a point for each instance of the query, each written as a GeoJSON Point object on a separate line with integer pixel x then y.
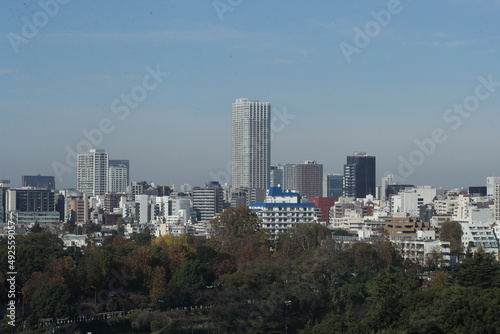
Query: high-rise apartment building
{"type": "Point", "coordinates": [121, 163]}
{"type": "Point", "coordinates": [497, 202]}
{"type": "Point", "coordinates": [117, 179]}
{"type": "Point", "coordinates": [289, 176]}
{"type": "Point", "coordinates": [92, 172]}
{"type": "Point", "coordinates": [251, 144]}
{"type": "Point", "coordinates": [359, 175]}
{"type": "Point", "coordinates": [491, 182]}
{"type": "Point", "coordinates": [310, 179]}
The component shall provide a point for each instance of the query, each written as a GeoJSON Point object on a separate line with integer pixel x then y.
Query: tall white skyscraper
{"type": "Point", "coordinates": [92, 172]}
{"type": "Point", "coordinates": [251, 144]}
{"type": "Point", "coordinates": [497, 202]}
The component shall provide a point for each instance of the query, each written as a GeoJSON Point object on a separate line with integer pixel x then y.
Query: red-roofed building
{"type": "Point", "coordinates": [324, 204]}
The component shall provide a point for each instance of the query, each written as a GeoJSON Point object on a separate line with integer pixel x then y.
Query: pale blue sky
{"type": "Point", "coordinates": [395, 90]}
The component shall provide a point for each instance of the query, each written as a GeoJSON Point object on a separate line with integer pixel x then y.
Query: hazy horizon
{"type": "Point", "coordinates": [376, 77]}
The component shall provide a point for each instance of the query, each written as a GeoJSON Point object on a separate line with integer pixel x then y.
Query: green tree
{"type": "Point", "coordinates": [386, 292]}
{"type": "Point", "coordinates": [33, 252]}
{"type": "Point", "coordinates": [3, 291]}
{"type": "Point", "coordinates": [36, 228]}
{"type": "Point", "coordinates": [451, 309]}
{"type": "Point", "coordinates": [189, 275]}
{"type": "Point", "coordinates": [95, 266]}
{"type": "Point", "coordinates": [481, 270]}
{"type": "Point", "coordinates": [331, 324]}
{"type": "Point", "coordinates": [452, 231]}
{"type": "Point", "coordinates": [143, 238]}
{"type": "Point", "coordinates": [52, 300]}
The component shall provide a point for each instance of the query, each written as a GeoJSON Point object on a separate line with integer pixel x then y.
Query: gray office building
{"type": "Point", "coordinates": [39, 182]}
{"type": "Point", "coordinates": [208, 201]}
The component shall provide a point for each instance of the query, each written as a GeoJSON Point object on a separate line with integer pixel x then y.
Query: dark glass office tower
{"type": "Point", "coordinates": [359, 175]}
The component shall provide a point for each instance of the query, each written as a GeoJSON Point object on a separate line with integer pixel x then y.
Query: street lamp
{"type": "Point", "coordinates": [287, 304]}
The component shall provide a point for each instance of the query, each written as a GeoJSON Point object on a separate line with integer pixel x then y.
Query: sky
{"type": "Point", "coordinates": [415, 83]}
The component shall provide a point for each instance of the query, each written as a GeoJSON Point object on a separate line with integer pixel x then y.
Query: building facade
{"type": "Point", "coordinates": [125, 163]}
{"type": "Point", "coordinates": [117, 179]}
{"type": "Point", "coordinates": [310, 179]}
{"type": "Point", "coordinates": [289, 176]}
{"type": "Point", "coordinates": [282, 211]}
{"type": "Point", "coordinates": [276, 177]}
{"type": "Point", "coordinates": [251, 144]}
{"type": "Point", "coordinates": [333, 185]}
{"type": "Point", "coordinates": [92, 172]}
{"type": "Point", "coordinates": [38, 182]}
{"type": "Point", "coordinates": [359, 175]}
{"type": "Point", "coordinates": [207, 201]}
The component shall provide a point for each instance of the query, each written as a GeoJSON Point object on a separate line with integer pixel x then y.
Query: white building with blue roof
{"type": "Point", "coordinates": [283, 210]}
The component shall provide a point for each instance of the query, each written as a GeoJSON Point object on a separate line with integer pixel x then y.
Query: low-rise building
{"type": "Point", "coordinates": [283, 211]}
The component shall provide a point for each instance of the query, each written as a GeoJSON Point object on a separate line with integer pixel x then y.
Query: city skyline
{"type": "Point", "coordinates": [407, 90]}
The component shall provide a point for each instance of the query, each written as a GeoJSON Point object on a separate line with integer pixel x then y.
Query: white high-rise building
{"type": "Point", "coordinates": [491, 183]}
{"type": "Point", "coordinates": [497, 202]}
{"type": "Point", "coordinates": [92, 172]}
{"type": "Point", "coordinates": [117, 179]}
{"type": "Point", "coordinates": [251, 144]}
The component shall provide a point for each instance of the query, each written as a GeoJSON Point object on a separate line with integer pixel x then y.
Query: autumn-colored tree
{"type": "Point", "coordinates": [235, 228]}
{"type": "Point", "coordinates": [301, 238]}
{"type": "Point", "coordinates": [31, 285]}
{"type": "Point", "coordinates": [63, 270]}
{"type": "Point", "coordinates": [434, 259]}
{"type": "Point", "coordinates": [176, 249]}
{"type": "Point", "coordinates": [139, 263]}
{"type": "Point", "coordinates": [158, 284]}
{"type": "Point", "coordinates": [452, 231]}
